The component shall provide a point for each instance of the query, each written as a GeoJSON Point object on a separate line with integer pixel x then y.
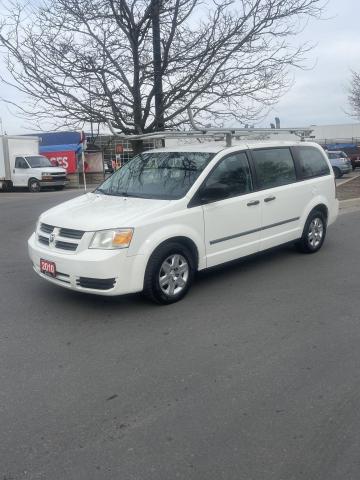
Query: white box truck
{"type": "Point", "coordinates": [21, 165]}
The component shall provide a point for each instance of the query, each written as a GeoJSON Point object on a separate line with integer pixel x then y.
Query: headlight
{"type": "Point", "coordinates": [112, 239]}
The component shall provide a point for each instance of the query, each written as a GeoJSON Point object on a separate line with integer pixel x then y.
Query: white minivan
{"type": "Point", "coordinates": [170, 212]}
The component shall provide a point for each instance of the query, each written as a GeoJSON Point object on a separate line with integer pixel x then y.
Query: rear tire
{"type": "Point", "coordinates": [169, 273]}
{"type": "Point", "coordinates": [337, 172]}
{"type": "Point", "coordinates": [34, 185]}
{"type": "Point", "coordinates": [7, 186]}
{"type": "Point", "coordinates": [314, 233]}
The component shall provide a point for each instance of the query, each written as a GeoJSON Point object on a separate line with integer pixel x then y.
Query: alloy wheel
{"type": "Point", "coordinates": [316, 232]}
{"type": "Point", "coordinates": [174, 274]}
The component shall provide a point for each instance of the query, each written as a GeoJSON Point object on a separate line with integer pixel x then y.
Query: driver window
{"type": "Point", "coordinates": [20, 163]}
{"type": "Point", "coordinates": [232, 175]}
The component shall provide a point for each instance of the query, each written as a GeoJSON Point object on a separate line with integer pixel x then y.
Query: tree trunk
{"type": "Point", "coordinates": [137, 146]}
{"type": "Point", "coordinates": [158, 89]}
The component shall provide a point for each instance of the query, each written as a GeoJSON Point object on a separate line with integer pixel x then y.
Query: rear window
{"type": "Point", "coordinates": [311, 162]}
{"type": "Point", "coordinates": [274, 167]}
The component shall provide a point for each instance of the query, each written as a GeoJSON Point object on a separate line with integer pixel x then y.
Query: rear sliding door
{"type": "Point", "coordinates": [282, 196]}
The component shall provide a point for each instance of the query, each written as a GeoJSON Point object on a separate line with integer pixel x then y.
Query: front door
{"type": "Point", "coordinates": [20, 172]}
{"type": "Point", "coordinates": [232, 212]}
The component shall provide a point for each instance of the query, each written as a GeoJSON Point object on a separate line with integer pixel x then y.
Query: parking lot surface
{"type": "Point", "coordinates": [253, 376]}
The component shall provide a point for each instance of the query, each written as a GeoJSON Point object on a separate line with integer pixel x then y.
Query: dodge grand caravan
{"type": "Point", "coordinates": [170, 212]}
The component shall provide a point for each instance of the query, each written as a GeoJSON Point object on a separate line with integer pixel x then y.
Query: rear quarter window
{"type": "Point", "coordinates": [311, 162]}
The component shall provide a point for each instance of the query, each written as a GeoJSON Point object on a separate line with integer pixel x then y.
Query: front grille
{"type": "Point", "coordinates": [66, 245]}
{"type": "Point", "coordinates": [43, 240]}
{"type": "Point", "coordinates": [96, 283]}
{"type": "Point", "coordinates": [44, 227]}
{"type": "Point", "coordinates": [59, 178]}
{"type": "Point", "coordinates": [69, 233]}
{"type": "Point", "coordinates": [60, 233]}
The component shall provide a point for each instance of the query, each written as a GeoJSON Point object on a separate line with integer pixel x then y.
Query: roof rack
{"type": "Point", "coordinates": [222, 133]}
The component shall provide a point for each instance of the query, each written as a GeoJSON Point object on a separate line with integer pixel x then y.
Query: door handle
{"type": "Point", "coordinates": [254, 202]}
{"type": "Point", "coordinates": [269, 199]}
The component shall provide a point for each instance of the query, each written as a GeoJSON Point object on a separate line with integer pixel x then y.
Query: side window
{"type": "Point", "coordinates": [312, 163]}
{"type": "Point", "coordinates": [230, 178]}
{"type": "Point", "coordinates": [20, 162]}
{"type": "Point", "coordinates": [274, 167]}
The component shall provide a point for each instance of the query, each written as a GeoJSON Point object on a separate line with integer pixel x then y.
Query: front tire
{"type": "Point", "coordinates": [169, 273]}
{"type": "Point", "coordinates": [34, 185]}
{"type": "Point", "coordinates": [314, 233]}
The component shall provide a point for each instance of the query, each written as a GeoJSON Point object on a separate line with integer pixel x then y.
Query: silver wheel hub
{"type": "Point", "coordinates": [316, 232]}
{"type": "Point", "coordinates": [174, 274]}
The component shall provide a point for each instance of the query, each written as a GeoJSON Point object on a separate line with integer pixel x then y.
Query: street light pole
{"type": "Point", "coordinates": [158, 89]}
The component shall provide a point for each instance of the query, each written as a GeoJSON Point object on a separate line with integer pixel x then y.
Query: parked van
{"type": "Point", "coordinates": [170, 212]}
{"type": "Point", "coordinates": [21, 165]}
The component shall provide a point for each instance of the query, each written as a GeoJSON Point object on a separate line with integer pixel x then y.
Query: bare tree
{"type": "Point", "coordinates": [90, 60]}
{"type": "Point", "coordinates": [354, 94]}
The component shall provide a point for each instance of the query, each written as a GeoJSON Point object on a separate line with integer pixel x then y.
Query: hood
{"type": "Point", "coordinates": [100, 212]}
{"type": "Point", "coordinates": [50, 169]}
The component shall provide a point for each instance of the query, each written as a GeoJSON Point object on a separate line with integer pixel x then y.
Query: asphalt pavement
{"type": "Point", "coordinates": [255, 375]}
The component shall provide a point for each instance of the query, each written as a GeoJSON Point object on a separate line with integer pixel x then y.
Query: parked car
{"type": "Point", "coordinates": [170, 212]}
{"type": "Point", "coordinates": [340, 163]}
{"type": "Point", "coordinates": [108, 167]}
{"type": "Point", "coordinates": [355, 160]}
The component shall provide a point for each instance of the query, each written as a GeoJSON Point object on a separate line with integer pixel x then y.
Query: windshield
{"type": "Point", "coordinates": [38, 161]}
{"type": "Point", "coordinates": [157, 175]}
{"type": "Point", "coordinates": [333, 155]}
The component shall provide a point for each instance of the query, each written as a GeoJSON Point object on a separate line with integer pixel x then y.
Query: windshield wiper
{"type": "Point", "coordinates": [100, 190]}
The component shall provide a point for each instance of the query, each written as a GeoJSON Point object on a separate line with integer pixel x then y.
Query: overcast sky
{"type": "Point", "coordinates": [319, 95]}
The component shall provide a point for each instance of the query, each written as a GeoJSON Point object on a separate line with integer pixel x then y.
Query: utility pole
{"type": "Point", "coordinates": [158, 88]}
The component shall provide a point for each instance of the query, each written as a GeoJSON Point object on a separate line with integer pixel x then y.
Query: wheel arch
{"type": "Point", "coordinates": [322, 208]}
{"type": "Point", "coordinates": [182, 240]}
{"type": "Point", "coordinates": [318, 203]}
{"type": "Point", "coordinates": [33, 178]}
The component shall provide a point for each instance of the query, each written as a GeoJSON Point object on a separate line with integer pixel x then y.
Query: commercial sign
{"type": "Point", "coordinates": [66, 159]}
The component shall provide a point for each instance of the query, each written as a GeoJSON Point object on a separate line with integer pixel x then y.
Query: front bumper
{"type": "Point", "coordinates": [54, 183]}
{"type": "Point", "coordinates": [92, 265]}
{"type": "Point", "coordinates": [345, 168]}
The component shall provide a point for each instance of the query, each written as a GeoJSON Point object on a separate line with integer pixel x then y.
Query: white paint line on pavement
{"type": "Point", "coordinates": [346, 180]}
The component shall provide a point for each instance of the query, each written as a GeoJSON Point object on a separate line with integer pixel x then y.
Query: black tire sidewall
{"type": "Point", "coordinates": [152, 287]}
